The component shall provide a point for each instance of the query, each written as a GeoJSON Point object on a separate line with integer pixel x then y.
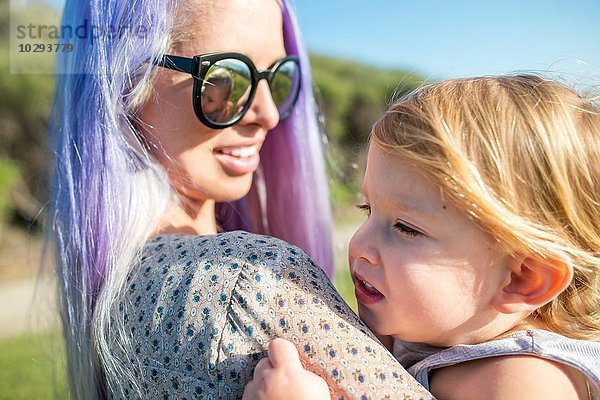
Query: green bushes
{"type": "Point", "coordinates": [9, 173]}
{"type": "Point", "coordinates": [352, 96]}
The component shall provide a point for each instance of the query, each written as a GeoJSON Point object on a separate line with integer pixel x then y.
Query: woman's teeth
{"type": "Point", "coordinates": [245, 151]}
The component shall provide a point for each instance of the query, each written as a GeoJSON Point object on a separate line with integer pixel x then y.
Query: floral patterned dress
{"type": "Point", "coordinates": [200, 311]}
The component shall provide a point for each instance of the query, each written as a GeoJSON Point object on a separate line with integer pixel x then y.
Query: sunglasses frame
{"type": "Point", "coordinates": [199, 65]}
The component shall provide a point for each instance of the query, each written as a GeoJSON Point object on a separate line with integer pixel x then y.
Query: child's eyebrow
{"type": "Point", "coordinates": [413, 207]}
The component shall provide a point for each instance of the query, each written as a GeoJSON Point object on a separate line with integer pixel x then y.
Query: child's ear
{"type": "Point", "coordinates": [533, 282]}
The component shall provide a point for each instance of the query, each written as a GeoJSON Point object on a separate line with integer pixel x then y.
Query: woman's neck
{"type": "Point", "coordinates": [192, 218]}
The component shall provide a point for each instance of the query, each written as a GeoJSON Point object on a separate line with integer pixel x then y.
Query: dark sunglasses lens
{"type": "Point", "coordinates": [225, 90]}
{"type": "Point", "coordinates": [285, 86]}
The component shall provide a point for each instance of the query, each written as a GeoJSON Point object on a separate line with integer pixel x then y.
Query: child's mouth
{"type": "Point", "coordinates": [370, 288]}
{"type": "Point", "coordinates": [365, 292]}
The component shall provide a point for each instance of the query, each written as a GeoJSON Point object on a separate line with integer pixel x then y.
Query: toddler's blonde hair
{"type": "Point", "coordinates": [521, 154]}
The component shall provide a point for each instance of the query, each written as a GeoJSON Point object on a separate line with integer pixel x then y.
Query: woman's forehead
{"type": "Point", "coordinates": [252, 27]}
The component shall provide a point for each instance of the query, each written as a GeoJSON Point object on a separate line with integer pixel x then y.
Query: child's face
{"type": "Point", "coordinates": [431, 272]}
{"type": "Point", "coordinates": [214, 99]}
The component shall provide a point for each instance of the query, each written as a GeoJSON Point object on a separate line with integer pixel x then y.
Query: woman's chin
{"type": "Point", "coordinates": [232, 188]}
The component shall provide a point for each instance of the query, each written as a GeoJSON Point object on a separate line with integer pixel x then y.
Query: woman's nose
{"type": "Point", "coordinates": [263, 110]}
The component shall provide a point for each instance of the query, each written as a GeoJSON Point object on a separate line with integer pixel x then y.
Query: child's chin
{"type": "Point", "coordinates": [370, 320]}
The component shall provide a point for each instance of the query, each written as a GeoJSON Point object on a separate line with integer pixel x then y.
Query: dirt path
{"type": "Point", "coordinates": [27, 306]}
{"type": "Point", "coordinates": [22, 287]}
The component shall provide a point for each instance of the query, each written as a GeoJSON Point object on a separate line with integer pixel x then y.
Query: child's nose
{"type": "Point", "coordinates": [363, 246]}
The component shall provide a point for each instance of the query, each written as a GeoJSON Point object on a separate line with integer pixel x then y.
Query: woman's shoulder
{"type": "Point", "coordinates": [175, 255]}
{"type": "Point", "coordinates": [240, 244]}
{"type": "Point", "coordinates": [179, 240]}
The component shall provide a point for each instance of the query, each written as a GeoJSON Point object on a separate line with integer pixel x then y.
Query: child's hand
{"type": "Point", "coordinates": [281, 376]}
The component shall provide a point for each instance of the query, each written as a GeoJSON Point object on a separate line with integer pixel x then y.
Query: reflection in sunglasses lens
{"type": "Point", "coordinates": [227, 85]}
{"type": "Point", "coordinates": [225, 90]}
{"type": "Point", "coordinates": [285, 86]}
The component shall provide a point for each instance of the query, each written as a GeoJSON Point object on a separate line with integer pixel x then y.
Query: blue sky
{"type": "Point", "coordinates": [446, 39]}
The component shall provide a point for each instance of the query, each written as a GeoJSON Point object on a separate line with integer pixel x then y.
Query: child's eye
{"type": "Point", "coordinates": [406, 230]}
{"type": "Point", "coordinates": [366, 208]}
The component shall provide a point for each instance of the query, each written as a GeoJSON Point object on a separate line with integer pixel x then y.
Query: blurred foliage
{"type": "Point", "coordinates": [9, 173]}
{"type": "Point", "coordinates": [24, 108]}
{"type": "Point", "coordinates": [352, 96]}
{"type": "Point", "coordinates": [339, 192]}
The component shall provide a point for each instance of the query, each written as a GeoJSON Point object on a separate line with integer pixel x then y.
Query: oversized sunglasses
{"type": "Point", "coordinates": [225, 84]}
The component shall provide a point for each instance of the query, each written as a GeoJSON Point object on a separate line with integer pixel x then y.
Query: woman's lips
{"type": "Point", "coordinates": [365, 293]}
{"type": "Point", "coordinates": [238, 160]}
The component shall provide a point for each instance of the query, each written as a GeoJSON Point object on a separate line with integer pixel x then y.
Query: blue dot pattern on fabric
{"type": "Point", "coordinates": [200, 312]}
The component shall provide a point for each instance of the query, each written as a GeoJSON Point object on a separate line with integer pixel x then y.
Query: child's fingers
{"type": "Point", "coordinates": [263, 366]}
{"type": "Point", "coordinates": [250, 391]}
{"type": "Point", "coordinates": [283, 354]}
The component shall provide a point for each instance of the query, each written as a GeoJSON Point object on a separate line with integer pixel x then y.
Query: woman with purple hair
{"type": "Point", "coordinates": [163, 295]}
